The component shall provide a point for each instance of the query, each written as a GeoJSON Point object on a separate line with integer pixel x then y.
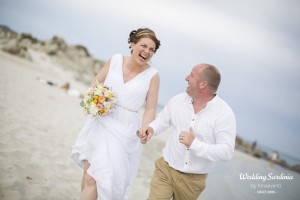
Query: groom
{"type": "Point", "coordinates": [203, 131]}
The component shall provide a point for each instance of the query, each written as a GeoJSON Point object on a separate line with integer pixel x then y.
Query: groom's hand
{"type": "Point", "coordinates": [187, 137]}
{"type": "Point", "coordinates": [145, 134]}
{"type": "Point", "coordinates": [149, 133]}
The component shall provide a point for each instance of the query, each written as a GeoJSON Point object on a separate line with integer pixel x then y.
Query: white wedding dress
{"type": "Point", "coordinates": [110, 144]}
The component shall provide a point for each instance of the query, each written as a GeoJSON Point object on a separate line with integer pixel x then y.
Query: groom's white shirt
{"type": "Point", "coordinates": [214, 128]}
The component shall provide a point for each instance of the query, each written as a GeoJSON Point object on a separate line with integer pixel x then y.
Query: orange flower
{"type": "Point", "coordinates": [101, 99]}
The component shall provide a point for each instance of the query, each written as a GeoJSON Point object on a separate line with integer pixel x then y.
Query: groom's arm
{"type": "Point", "coordinates": [223, 148]}
{"type": "Point", "coordinates": [163, 120]}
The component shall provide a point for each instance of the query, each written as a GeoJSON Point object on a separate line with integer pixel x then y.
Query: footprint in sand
{"type": "Point", "coordinates": [32, 177]}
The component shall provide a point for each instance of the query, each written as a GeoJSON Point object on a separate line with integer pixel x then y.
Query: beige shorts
{"type": "Point", "coordinates": [168, 182]}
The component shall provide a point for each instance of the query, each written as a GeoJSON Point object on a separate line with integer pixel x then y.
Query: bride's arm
{"type": "Point", "coordinates": [100, 77]}
{"type": "Point", "coordinates": [151, 101]}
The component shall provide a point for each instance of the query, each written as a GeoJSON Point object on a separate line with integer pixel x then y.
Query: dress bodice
{"type": "Point", "coordinates": [132, 94]}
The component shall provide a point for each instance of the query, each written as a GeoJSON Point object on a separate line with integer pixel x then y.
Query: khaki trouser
{"type": "Point", "coordinates": [168, 182]}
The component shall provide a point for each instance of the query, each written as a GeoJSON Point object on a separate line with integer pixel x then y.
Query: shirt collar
{"type": "Point", "coordinates": [190, 100]}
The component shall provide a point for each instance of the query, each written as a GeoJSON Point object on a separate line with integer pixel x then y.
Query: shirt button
{"type": "Point", "coordinates": [193, 119]}
{"type": "Point", "coordinates": [187, 149]}
{"type": "Point", "coordinates": [185, 163]}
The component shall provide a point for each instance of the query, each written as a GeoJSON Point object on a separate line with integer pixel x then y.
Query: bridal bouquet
{"type": "Point", "coordinates": [99, 100]}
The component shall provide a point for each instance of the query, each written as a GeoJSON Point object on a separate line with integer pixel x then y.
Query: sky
{"type": "Point", "coordinates": [255, 44]}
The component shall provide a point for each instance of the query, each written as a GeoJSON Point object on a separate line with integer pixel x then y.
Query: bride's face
{"type": "Point", "coordinates": [143, 50]}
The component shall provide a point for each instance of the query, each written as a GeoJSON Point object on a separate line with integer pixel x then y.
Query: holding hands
{"type": "Point", "coordinates": [145, 134]}
{"type": "Point", "coordinates": [185, 137]}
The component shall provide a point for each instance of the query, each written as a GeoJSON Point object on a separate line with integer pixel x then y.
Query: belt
{"type": "Point", "coordinates": [135, 111]}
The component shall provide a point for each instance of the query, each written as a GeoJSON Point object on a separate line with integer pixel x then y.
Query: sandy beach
{"type": "Point", "coordinates": [39, 124]}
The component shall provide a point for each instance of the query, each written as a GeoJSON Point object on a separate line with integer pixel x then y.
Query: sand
{"type": "Point", "coordinates": [39, 124]}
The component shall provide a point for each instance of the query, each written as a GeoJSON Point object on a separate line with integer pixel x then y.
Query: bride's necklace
{"type": "Point", "coordinates": [129, 73]}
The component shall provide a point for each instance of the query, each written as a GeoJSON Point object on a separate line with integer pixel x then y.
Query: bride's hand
{"type": "Point", "coordinates": [145, 134]}
{"type": "Point", "coordinates": [140, 133]}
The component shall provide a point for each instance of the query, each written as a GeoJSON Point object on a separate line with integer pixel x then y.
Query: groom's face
{"type": "Point", "coordinates": [193, 82]}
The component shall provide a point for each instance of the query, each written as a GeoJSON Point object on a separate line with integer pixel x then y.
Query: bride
{"type": "Point", "coordinates": [108, 148]}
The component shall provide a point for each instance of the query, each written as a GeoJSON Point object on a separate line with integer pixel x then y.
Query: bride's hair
{"type": "Point", "coordinates": [136, 35]}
